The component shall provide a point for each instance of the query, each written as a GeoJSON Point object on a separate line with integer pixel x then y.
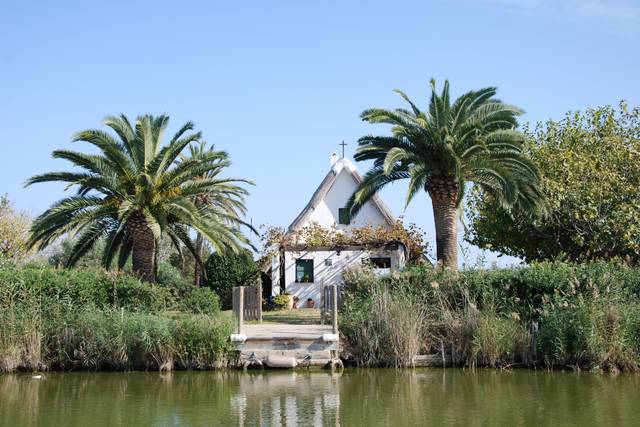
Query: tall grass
{"type": "Point", "coordinates": [386, 331]}
{"type": "Point", "coordinates": [552, 315]}
{"type": "Point", "coordinates": [58, 319]}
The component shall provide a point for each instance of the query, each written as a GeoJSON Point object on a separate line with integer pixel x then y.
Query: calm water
{"type": "Point", "coordinates": [355, 398]}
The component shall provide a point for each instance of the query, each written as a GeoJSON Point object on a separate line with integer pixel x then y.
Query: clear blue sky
{"type": "Point", "coordinates": [280, 84]}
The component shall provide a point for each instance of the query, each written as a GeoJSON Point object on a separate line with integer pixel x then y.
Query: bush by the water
{"type": "Point", "coordinates": [188, 297]}
{"type": "Point", "coordinates": [72, 319]}
{"type": "Point", "coordinates": [225, 271]}
{"type": "Point", "coordinates": [557, 315]}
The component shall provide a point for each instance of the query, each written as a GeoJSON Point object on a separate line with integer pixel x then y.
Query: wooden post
{"type": "Point", "coordinates": [335, 309]}
{"type": "Point", "coordinates": [240, 309]}
{"type": "Point", "coordinates": [259, 287]}
{"type": "Point", "coordinates": [322, 302]}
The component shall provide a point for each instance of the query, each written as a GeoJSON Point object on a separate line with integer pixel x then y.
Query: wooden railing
{"type": "Point", "coordinates": [247, 304]}
{"type": "Point", "coordinates": [329, 306]}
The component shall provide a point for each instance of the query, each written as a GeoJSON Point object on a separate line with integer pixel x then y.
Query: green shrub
{"type": "Point", "coordinates": [281, 302]}
{"type": "Point", "coordinates": [130, 293]}
{"type": "Point", "coordinates": [225, 271]}
{"type": "Point", "coordinates": [54, 286]}
{"type": "Point", "coordinates": [200, 301]}
{"type": "Point", "coordinates": [170, 277]}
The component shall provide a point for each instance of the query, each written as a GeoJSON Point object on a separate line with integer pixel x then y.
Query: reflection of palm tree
{"type": "Point", "coordinates": [224, 195]}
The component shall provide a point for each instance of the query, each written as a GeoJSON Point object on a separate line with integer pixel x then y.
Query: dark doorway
{"type": "Point", "coordinates": [267, 285]}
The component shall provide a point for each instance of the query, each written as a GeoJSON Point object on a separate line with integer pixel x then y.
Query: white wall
{"type": "Point", "coordinates": [326, 213]}
{"type": "Point", "coordinates": [329, 275]}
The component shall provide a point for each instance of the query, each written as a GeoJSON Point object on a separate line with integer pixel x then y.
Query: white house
{"type": "Point", "coordinates": [301, 269]}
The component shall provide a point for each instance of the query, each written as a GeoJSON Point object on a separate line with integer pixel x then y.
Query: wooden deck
{"type": "Point", "coordinates": [285, 338]}
{"type": "Point", "coordinates": [285, 331]}
{"type": "Point", "coordinates": [305, 343]}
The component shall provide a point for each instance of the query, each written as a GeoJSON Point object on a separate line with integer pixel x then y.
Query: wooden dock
{"type": "Point", "coordinates": [290, 344]}
{"type": "Point", "coordinates": [307, 344]}
{"type": "Point", "coordinates": [285, 331]}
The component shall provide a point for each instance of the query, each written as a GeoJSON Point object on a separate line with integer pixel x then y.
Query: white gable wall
{"type": "Point", "coordinates": [326, 213]}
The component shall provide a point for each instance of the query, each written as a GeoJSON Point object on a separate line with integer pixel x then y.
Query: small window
{"type": "Point", "coordinates": [380, 262]}
{"type": "Point", "coordinates": [304, 271]}
{"type": "Point", "coordinates": [343, 216]}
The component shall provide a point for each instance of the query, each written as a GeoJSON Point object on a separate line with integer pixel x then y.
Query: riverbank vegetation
{"type": "Point", "coordinates": [576, 306]}
{"type": "Point", "coordinates": [551, 315]}
{"type": "Point", "coordinates": [563, 196]}
{"type": "Point", "coordinates": [90, 319]}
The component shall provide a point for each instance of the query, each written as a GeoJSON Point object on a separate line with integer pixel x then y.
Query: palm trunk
{"type": "Point", "coordinates": [197, 275]}
{"type": "Point", "coordinates": [444, 195]}
{"type": "Point", "coordinates": [144, 248]}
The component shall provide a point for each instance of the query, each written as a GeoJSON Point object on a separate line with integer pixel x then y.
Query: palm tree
{"type": "Point", "coordinates": [227, 195]}
{"type": "Point", "coordinates": [132, 193]}
{"type": "Point", "coordinates": [474, 140]}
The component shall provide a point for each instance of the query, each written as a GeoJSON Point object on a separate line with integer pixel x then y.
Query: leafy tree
{"type": "Point", "coordinates": [591, 180]}
{"type": "Point", "coordinates": [227, 195]}
{"type": "Point", "coordinates": [14, 230]}
{"type": "Point", "coordinates": [132, 193]}
{"type": "Point", "coordinates": [226, 270]}
{"type": "Point", "coordinates": [440, 150]}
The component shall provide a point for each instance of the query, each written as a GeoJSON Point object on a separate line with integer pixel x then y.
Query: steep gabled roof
{"type": "Point", "coordinates": [325, 186]}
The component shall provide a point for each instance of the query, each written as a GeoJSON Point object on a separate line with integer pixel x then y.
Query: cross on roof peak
{"type": "Point", "coordinates": [343, 144]}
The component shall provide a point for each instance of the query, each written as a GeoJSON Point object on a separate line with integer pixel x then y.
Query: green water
{"type": "Point", "coordinates": [356, 398]}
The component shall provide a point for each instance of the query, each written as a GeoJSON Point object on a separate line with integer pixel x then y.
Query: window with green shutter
{"type": "Point", "coordinates": [304, 271]}
{"type": "Point", "coordinates": [343, 216]}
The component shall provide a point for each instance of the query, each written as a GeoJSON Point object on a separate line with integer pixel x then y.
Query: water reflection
{"type": "Point", "coordinates": [318, 398]}
{"type": "Point", "coordinates": [287, 398]}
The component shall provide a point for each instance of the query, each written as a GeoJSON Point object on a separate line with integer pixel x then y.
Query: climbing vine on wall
{"type": "Point", "coordinates": [314, 235]}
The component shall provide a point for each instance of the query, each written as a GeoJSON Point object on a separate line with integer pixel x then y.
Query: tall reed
{"type": "Point", "coordinates": [59, 319]}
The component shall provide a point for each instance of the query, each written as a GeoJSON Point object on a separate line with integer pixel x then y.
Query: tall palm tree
{"type": "Point", "coordinates": [227, 195]}
{"type": "Point", "coordinates": [132, 192]}
{"type": "Point", "coordinates": [474, 140]}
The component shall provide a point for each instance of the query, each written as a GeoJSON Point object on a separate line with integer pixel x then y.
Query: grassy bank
{"type": "Point", "coordinates": [65, 319]}
{"type": "Point", "coordinates": [548, 315]}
